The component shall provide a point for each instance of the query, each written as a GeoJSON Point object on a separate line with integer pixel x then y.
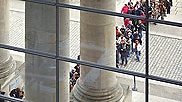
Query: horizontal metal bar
{"type": "Point", "coordinates": [166, 22]}
{"type": "Point", "coordinates": [41, 2]}
{"type": "Point", "coordinates": [12, 99]}
{"type": "Point", "coordinates": [103, 12]}
{"type": "Point", "coordinates": [161, 79]}
{"type": "Point", "coordinates": [94, 65]}
{"type": "Point", "coordinates": [28, 51]}
{"type": "Point", "coordinates": [100, 11]}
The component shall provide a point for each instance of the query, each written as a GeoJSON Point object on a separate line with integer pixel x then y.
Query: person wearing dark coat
{"type": "Point", "coordinates": [123, 52]}
{"type": "Point", "coordinates": [140, 27]}
{"type": "Point", "coordinates": [15, 93]}
{"type": "Point", "coordinates": [2, 93]}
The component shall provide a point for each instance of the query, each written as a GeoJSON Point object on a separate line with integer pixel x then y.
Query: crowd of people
{"type": "Point", "coordinates": [128, 42]}
{"type": "Point", "coordinates": [74, 75]}
{"type": "Point", "coordinates": [129, 35]}
{"type": "Point", "coordinates": [15, 93]}
{"type": "Point", "coordinates": [157, 8]}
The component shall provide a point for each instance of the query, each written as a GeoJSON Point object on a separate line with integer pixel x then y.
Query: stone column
{"type": "Point", "coordinates": [40, 73]}
{"type": "Point", "coordinates": [7, 64]}
{"type": "Point", "coordinates": [97, 33]}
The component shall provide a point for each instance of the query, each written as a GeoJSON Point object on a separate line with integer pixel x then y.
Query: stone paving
{"type": "Point", "coordinates": [17, 29]}
{"type": "Point", "coordinates": [165, 58]}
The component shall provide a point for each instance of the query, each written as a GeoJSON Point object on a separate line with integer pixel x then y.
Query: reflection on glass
{"type": "Point", "coordinates": [40, 82]}
{"type": "Point", "coordinates": [11, 75]}
{"type": "Point", "coordinates": [17, 23]}
{"type": "Point", "coordinates": [40, 29]}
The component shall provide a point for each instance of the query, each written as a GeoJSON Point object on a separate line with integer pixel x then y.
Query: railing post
{"type": "Point", "coordinates": [134, 82]}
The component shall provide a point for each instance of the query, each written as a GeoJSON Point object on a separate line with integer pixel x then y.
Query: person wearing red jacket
{"type": "Point", "coordinates": [125, 9]}
{"type": "Point", "coordinates": [143, 15]}
{"type": "Point", "coordinates": [126, 21]}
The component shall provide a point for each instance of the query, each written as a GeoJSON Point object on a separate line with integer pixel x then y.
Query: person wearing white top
{"type": "Point", "coordinates": [137, 46]}
{"type": "Point", "coordinates": [121, 38]}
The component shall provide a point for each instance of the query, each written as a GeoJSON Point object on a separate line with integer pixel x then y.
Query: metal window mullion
{"type": "Point", "coordinates": [166, 80]}
{"type": "Point", "coordinates": [28, 51]}
{"type": "Point", "coordinates": [103, 12]}
{"type": "Point", "coordinates": [41, 2]}
{"type": "Point", "coordinates": [57, 51]}
{"type": "Point", "coordinates": [147, 55]}
{"type": "Point", "coordinates": [171, 23]}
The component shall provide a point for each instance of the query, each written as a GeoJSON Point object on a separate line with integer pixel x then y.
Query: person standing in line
{"type": "Point", "coordinates": [122, 29]}
{"type": "Point", "coordinates": [21, 95]}
{"type": "Point", "coordinates": [162, 11]}
{"type": "Point", "coordinates": [125, 9]}
{"type": "Point", "coordinates": [123, 52]}
{"type": "Point", "coordinates": [137, 47]}
{"type": "Point", "coordinates": [117, 53]}
{"type": "Point", "coordinates": [117, 33]}
{"type": "Point", "coordinates": [129, 44]}
{"type": "Point", "coordinates": [77, 69]}
{"type": "Point", "coordinates": [168, 7]}
{"type": "Point", "coordinates": [171, 2]}
{"type": "Point", "coordinates": [140, 27]}
{"type": "Point", "coordinates": [15, 93]}
{"type": "Point", "coordinates": [130, 26]}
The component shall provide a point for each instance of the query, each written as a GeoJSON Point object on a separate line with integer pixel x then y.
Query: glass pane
{"type": "Point", "coordinates": [164, 92]}
{"type": "Point", "coordinates": [93, 79]}
{"type": "Point", "coordinates": [88, 40]}
{"type": "Point", "coordinates": [74, 15]}
{"type": "Point", "coordinates": [40, 78]}
{"type": "Point", "coordinates": [94, 41]}
{"type": "Point", "coordinates": [172, 11]}
{"type": "Point", "coordinates": [93, 4]}
{"type": "Point", "coordinates": [136, 87]}
{"type": "Point", "coordinates": [31, 78]}
{"type": "Point", "coordinates": [74, 39]}
{"type": "Point", "coordinates": [165, 52]}
{"type": "Point", "coordinates": [12, 66]}
{"type": "Point", "coordinates": [139, 95]}
{"type": "Point", "coordinates": [74, 35]}
{"type": "Point", "coordinates": [16, 23]}
{"type": "Point", "coordinates": [40, 29]}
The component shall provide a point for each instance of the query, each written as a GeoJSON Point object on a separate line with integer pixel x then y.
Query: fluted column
{"type": "Point", "coordinates": [97, 33]}
{"type": "Point", "coordinates": [7, 64]}
{"type": "Point", "coordinates": [40, 73]}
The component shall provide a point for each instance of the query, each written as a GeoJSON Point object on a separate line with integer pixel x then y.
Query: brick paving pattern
{"type": "Point", "coordinates": [165, 58]}
{"type": "Point", "coordinates": [17, 29]}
